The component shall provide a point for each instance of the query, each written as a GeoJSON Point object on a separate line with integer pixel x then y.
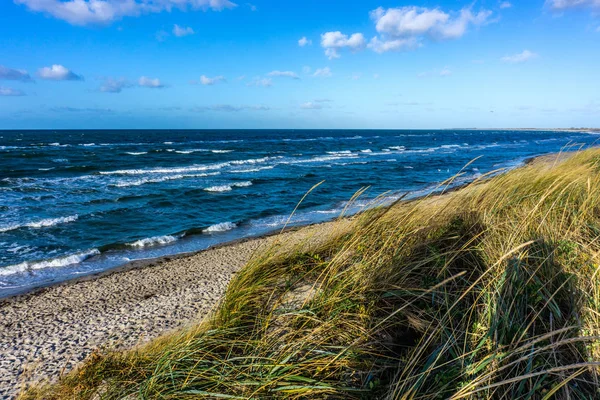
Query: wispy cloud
{"type": "Point", "coordinates": [81, 12]}
{"type": "Point", "coordinates": [333, 42]}
{"type": "Point", "coordinates": [311, 105]}
{"type": "Point", "coordinates": [303, 41]}
{"type": "Point", "coordinates": [505, 4]}
{"type": "Point", "coordinates": [10, 92]}
{"type": "Point", "coordinates": [522, 57]}
{"type": "Point", "coordinates": [286, 74]}
{"type": "Point", "coordinates": [11, 74]}
{"type": "Point", "coordinates": [566, 4]}
{"type": "Point", "coordinates": [229, 108]}
{"type": "Point", "coordinates": [261, 82]}
{"type": "Point", "coordinates": [81, 110]}
{"type": "Point", "coordinates": [206, 81]}
{"type": "Point", "coordinates": [111, 85]}
{"type": "Point", "coordinates": [181, 31]}
{"type": "Point", "coordinates": [323, 72]}
{"type": "Point", "coordinates": [445, 72]}
{"type": "Point", "coordinates": [58, 72]}
{"type": "Point", "coordinates": [153, 83]}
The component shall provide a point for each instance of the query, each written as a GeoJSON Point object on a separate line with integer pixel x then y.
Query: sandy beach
{"type": "Point", "coordinates": [49, 331]}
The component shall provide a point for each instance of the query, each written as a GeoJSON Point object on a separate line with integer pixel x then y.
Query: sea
{"type": "Point", "coordinates": [78, 202]}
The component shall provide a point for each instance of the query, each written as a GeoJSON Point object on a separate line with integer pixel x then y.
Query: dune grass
{"type": "Point", "coordinates": [488, 292]}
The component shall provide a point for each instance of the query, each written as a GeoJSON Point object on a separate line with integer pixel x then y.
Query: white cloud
{"type": "Point", "coordinates": [382, 46]}
{"type": "Point", "coordinates": [310, 105]}
{"type": "Point", "coordinates": [5, 91]}
{"type": "Point", "coordinates": [181, 31]}
{"type": "Point", "coordinates": [306, 69]}
{"type": "Point", "coordinates": [14, 74]}
{"type": "Point", "coordinates": [404, 28]}
{"type": "Point", "coordinates": [205, 80]}
{"type": "Point", "coordinates": [333, 42]}
{"type": "Point", "coordinates": [87, 12]}
{"type": "Point", "coordinates": [58, 73]}
{"type": "Point", "coordinates": [565, 4]}
{"type": "Point", "coordinates": [111, 85]}
{"type": "Point", "coordinates": [261, 82]}
{"type": "Point", "coordinates": [323, 72]}
{"type": "Point", "coordinates": [505, 4]}
{"type": "Point", "coordinates": [524, 56]}
{"type": "Point", "coordinates": [150, 83]}
{"type": "Point", "coordinates": [445, 72]}
{"type": "Point", "coordinates": [287, 74]}
{"type": "Point", "coordinates": [252, 7]}
{"type": "Point", "coordinates": [304, 42]}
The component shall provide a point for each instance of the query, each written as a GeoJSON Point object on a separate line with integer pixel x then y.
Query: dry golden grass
{"type": "Point", "coordinates": [488, 292]}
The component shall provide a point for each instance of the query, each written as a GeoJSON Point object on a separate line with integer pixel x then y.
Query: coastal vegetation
{"type": "Point", "coordinates": [487, 292]}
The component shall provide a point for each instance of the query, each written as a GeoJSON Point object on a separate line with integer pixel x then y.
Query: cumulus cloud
{"type": "Point", "coordinates": [566, 4]}
{"type": "Point", "coordinates": [505, 4]}
{"type": "Point", "coordinates": [14, 74]}
{"type": "Point", "coordinates": [58, 73]}
{"type": "Point", "coordinates": [111, 85]}
{"type": "Point", "coordinates": [304, 42]}
{"type": "Point", "coordinates": [333, 42]}
{"type": "Point", "coordinates": [323, 72]}
{"type": "Point", "coordinates": [5, 91]}
{"type": "Point", "coordinates": [524, 56]}
{"type": "Point", "coordinates": [205, 80]}
{"type": "Point", "coordinates": [286, 74]}
{"type": "Point", "coordinates": [181, 31]}
{"type": "Point", "coordinates": [88, 12]}
{"type": "Point", "coordinates": [261, 82]}
{"type": "Point", "coordinates": [404, 28]}
{"type": "Point", "coordinates": [153, 83]}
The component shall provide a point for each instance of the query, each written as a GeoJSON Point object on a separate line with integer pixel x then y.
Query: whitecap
{"type": "Point", "coordinates": [44, 223]}
{"type": "Point", "coordinates": [221, 151]}
{"type": "Point", "coordinates": [133, 153]}
{"type": "Point", "coordinates": [52, 263]}
{"type": "Point", "coordinates": [222, 227]}
{"type": "Point", "coordinates": [154, 241]}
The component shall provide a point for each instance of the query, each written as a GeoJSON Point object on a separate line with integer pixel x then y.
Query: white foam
{"type": "Point", "coordinates": [144, 181]}
{"type": "Point", "coordinates": [154, 241]}
{"type": "Point", "coordinates": [44, 223]}
{"type": "Point", "coordinates": [45, 169]}
{"type": "Point", "coordinates": [222, 227]}
{"type": "Point", "coordinates": [134, 153]}
{"type": "Point", "coordinates": [89, 144]}
{"type": "Point", "coordinates": [340, 152]}
{"type": "Point", "coordinates": [366, 151]}
{"type": "Point", "coordinates": [53, 263]}
{"type": "Point", "coordinates": [221, 151]}
{"type": "Point", "coordinates": [227, 188]}
{"type": "Point", "coordinates": [193, 168]}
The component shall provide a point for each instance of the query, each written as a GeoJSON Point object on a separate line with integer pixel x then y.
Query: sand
{"type": "Point", "coordinates": [46, 333]}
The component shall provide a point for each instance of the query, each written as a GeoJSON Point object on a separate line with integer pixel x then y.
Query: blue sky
{"type": "Point", "coordinates": [310, 64]}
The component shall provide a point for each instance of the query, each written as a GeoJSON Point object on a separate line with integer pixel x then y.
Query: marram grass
{"type": "Point", "coordinates": [488, 292]}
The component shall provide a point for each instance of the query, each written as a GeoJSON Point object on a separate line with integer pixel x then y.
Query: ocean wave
{"type": "Point", "coordinates": [241, 171]}
{"type": "Point", "coordinates": [340, 152]}
{"type": "Point", "coordinates": [144, 181]}
{"type": "Point", "coordinates": [227, 188]}
{"type": "Point", "coordinates": [222, 227]}
{"type": "Point", "coordinates": [88, 144]}
{"type": "Point", "coordinates": [366, 151]}
{"type": "Point", "coordinates": [221, 151]}
{"type": "Point", "coordinates": [64, 261]}
{"type": "Point", "coordinates": [154, 241]}
{"type": "Point", "coordinates": [134, 153]}
{"type": "Point", "coordinates": [44, 223]}
{"type": "Point", "coordinates": [191, 168]}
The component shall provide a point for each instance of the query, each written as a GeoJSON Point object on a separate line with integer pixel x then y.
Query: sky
{"type": "Point", "coordinates": [384, 64]}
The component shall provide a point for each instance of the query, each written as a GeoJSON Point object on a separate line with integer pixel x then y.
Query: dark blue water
{"type": "Point", "coordinates": [77, 202]}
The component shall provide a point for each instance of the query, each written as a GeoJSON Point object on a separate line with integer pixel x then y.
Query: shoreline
{"type": "Point", "coordinates": [145, 262]}
{"type": "Point", "coordinates": [49, 330]}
